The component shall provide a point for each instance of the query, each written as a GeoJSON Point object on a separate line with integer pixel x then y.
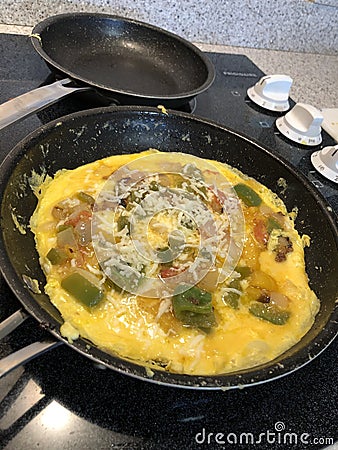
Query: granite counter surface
{"type": "Point", "coordinates": [293, 25]}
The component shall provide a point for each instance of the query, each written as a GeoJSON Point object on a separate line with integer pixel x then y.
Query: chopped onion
{"type": "Point", "coordinates": [66, 238]}
{"type": "Point", "coordinates": [279, 299]}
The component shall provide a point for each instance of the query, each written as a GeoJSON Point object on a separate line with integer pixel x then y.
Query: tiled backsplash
{"type": "Point", "coordinates": [295, 25]}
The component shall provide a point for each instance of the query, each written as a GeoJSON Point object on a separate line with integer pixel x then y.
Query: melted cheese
{"type": "Point", "coordinates": [143, 329]}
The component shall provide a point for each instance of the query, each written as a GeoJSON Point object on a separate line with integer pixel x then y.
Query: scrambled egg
{"type": "Point", "coordinates": [235, 319]}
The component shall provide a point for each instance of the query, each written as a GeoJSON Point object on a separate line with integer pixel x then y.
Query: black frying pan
{"type": "Point", "coordinates": [124, 60]}
{"type": "Point", "coordinates": [83, 137]}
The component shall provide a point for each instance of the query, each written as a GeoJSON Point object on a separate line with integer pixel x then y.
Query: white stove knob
{"type": "Point", "coordinates": [302, 124]}
{"type": "Point", "coordinates": [272, 92]}
{"type": "Point", "coordinates": [326, 162]}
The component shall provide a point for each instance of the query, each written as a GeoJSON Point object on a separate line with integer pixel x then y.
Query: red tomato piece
{"type": "Point", "coordinates": [170, 272]}
{"type": "Point", "coordinates": [217, 200]}
{"type": "Point", "coordinates": [83, 215]}
{"type": "Point", "coordinates": [260, 232]}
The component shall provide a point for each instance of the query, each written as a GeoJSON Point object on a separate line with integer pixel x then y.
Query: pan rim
{"type": "Point", "coordinates": [36, 42]}
{"type": "Point", "coordinates": [256, 375]}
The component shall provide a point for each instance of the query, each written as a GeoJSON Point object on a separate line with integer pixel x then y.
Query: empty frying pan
{"type": "Point", "coordinates": [124, 60]}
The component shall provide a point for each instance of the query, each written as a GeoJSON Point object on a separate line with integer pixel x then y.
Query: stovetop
{"type": "Point", "coordinates": [61, 400]}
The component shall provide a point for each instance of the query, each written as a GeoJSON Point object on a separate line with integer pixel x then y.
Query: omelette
{"type": "Point", "coordinates": [174, 262]}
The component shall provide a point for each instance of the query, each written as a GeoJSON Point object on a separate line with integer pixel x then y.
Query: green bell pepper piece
{"type": "Point", "coordinates": [193, 307]}
{"type": "Point", "coordinates": [247, 195]}
{"type": "Point", "coordinates": [63, 227]}
{"type": "Point", "coordinates": [231, 299]}
{"type": "Point", "coordinates": [82, 289]}
{"type": "Point", "coordinates": [85, 198]}
{"type": "Point", "coordinates": [57, 256]}
{"type": "Point", "coordinates": [123, 222]}
{"type": "Point", "coordinates": [153, 186]}
{"type": "Point", "coordinates": [244, 271]}
{"type": "Point", "coordinates": [202, 321]}
{"type": "Point", "coordinates": [273, 224]}
{"type": "Point", "coordinates": [271, 313]}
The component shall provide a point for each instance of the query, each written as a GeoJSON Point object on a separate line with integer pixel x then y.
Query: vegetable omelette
{"type": "Point", "coordinates": [174, 262]}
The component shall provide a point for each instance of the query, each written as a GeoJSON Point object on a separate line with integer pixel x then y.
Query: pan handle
{"type": "Point", "coordinates": [26, 104]}
{"type": "Point", "coordinates": [24, 355]}
{"type": "Point", "coordinates": [12, 322]}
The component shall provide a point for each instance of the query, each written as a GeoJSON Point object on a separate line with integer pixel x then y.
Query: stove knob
{"type": "Point", "coordinates": [272, 92]}
{"type": "Point", "coordinates": [326, 162]}
{"type": "Point", "coordinates": [302, 124]}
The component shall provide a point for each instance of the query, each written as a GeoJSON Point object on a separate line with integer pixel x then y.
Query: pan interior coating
{"type": "Point", "coordinates": [122, 55]}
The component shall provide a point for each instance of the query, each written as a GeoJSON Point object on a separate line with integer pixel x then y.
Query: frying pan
{"type": "Point", "coordinates": [123, 60]}
{"type": "Point", "coordinates": [86, 136]}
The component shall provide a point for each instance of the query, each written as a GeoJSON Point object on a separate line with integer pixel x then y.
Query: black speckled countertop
{"type": "Point", "coordinates": [61, 400]}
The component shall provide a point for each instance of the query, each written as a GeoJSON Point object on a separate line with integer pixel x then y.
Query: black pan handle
{"type": "Point", "coordinates": [26, 104]}
{"type": "Point", "coordinates": [25, 354]}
